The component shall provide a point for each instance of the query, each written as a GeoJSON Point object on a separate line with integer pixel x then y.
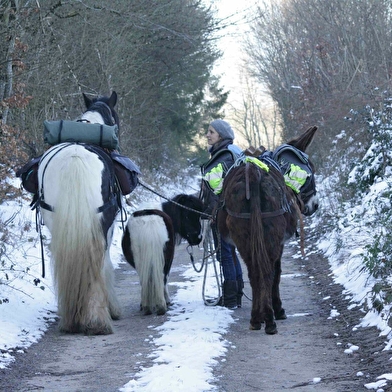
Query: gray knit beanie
{"type": "Point", "coordinates": [223, 128]}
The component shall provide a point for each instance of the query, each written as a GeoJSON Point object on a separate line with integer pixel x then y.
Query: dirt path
{"type": "Point", "coordinates": [308, 345]}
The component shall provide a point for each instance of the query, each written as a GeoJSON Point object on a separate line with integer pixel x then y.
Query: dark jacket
{"type": "Point", "coordinates": [214, 171]}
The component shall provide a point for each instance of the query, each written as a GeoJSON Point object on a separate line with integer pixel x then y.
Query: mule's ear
{"type": "Point", "coordinates": [303, 142]}
{"type": "Point", "coordinates": [113, 100]}
{"type": "Point", "coordinates": [87, 100]}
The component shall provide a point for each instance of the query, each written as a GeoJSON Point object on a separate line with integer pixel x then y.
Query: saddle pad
{"type": "Point", "coordinates": [61, 131]}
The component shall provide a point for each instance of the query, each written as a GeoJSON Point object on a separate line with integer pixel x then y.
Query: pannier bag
{"type": "Point", "coordinates": [126, 171]}
{"type": "Point", "coordinates": [61, 131]}
{"type": "Point", "coordinates": [29, 175]}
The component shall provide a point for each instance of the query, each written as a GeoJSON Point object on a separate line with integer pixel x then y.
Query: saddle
{"type": "Point", "coordinates": [126, 172]}
{"type": "Point", "coordinates": [254, 152]}
{"type": "Point", "coordinates": [263, 155]}
{"type": "Point", "coordinates": [287, 154]}
{"type": "Point", "coordinates": [292, 163]}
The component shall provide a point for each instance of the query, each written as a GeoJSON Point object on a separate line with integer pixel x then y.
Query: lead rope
{"type": "Point", "coordinates": [209, 257]}
{"type": "Point", "coordinates": [210, 253]}
{"type": "Point", "coordinates": [174, 202]}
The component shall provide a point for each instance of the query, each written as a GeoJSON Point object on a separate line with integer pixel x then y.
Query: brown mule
{"type": "Point", "coordinates": [260, 212]}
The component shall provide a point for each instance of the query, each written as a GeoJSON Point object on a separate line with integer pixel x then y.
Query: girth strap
{"type": "Point", "coordinates": [112, 202]}
{"type": "Point", "coordinates": [286, 207]}
{"type": "Point", "coordinates": [41, 202]}
{"type": "Point", "coordinates": [246, 215]}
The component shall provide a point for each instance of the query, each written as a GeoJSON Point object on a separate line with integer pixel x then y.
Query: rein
{"type": "Point", "coordinates": [174, 202]}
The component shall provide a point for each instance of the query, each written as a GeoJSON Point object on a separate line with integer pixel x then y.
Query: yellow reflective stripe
{"type": "Point", "coordinates": [257, 162]}
{"type": "Point", "coordinates": [295, 178]}
{"type": "Point", "coordinates": [215, 178]}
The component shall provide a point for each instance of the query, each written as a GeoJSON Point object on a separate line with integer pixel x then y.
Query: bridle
{"type": "Point", "coordinates": [103, 109]}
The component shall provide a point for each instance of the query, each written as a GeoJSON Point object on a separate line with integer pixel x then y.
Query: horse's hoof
{"type": "Point", "coordinates": [147, 310]}
{"type": "Point", "coordinates": [115, 314]}
{"type": "Point", "coordinates": [98, 330]}
{"type": "Point", "coordinates": [161, 310]}
{"type": "Point", "coordinates": [255, 327]}
{"type": "Point", "coordinates": [70, 329]}
{"type": "Point", "coordinates": [281, 315]}
{"type": "Point", "coordinates": [271, 329]}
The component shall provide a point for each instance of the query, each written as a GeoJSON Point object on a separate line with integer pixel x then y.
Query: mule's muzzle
{"type": "Point", "coordinates": [311, 206]}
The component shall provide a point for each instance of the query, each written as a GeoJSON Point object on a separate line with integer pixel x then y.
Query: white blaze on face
{"type": "Point", "coordinates": [92, 117]}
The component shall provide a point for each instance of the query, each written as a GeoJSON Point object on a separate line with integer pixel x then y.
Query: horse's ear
{"type": "Point", "coordinates": [303, 142]}
{"type": "Point", "coordinates": [87, 100]}
{"type": "Point", "coordinates": [179, 198]}
{"type": "Point", "coordinates": [113, 100]}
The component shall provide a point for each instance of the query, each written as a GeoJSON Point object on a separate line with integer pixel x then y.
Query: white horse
{"type": "Point", "coordinates": [78, 203]}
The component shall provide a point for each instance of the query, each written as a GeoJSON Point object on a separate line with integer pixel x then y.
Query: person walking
{"type": "Point", "coordinates": [220, 137]}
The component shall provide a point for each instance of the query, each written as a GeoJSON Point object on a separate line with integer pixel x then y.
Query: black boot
{"type": "Point", "coordinates": [240, 292]}
{"type": "Point", "coordinates": [230, 291]}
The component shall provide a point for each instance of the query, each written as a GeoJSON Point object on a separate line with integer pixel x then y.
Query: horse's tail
{"type": "Point", "coordinates": [78, 246]}
{"type": "Point", "coordinates": [259, 254]}
{"type": "Point", "coordinates": [148, 240]}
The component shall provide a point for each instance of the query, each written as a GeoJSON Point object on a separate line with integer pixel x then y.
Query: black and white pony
{"type": "Point", "coordinates": [149, 241]}
{"type": "Point", "coordinates": [78, 200]}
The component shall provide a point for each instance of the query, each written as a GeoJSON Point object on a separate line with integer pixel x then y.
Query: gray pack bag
{"type": "Point", "coordinates": [61, 131]}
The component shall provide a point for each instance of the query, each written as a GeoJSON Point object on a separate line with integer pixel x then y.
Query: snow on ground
{"type": "Point", "coordinates": [27, 302]}
{"type": "Point", "coordinates": [344, 245]}
{"type": "Point", "coordinates": [199, 334]}
{"type": "Point", "coordinates": [28, 305]}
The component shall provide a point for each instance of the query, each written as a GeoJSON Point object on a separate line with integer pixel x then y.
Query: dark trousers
{"type": "Point", "coordinates": [226, 255]}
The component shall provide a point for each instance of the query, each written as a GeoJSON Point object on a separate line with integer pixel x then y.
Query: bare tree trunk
{"type": "Point", "coordinates": [6, 75]}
